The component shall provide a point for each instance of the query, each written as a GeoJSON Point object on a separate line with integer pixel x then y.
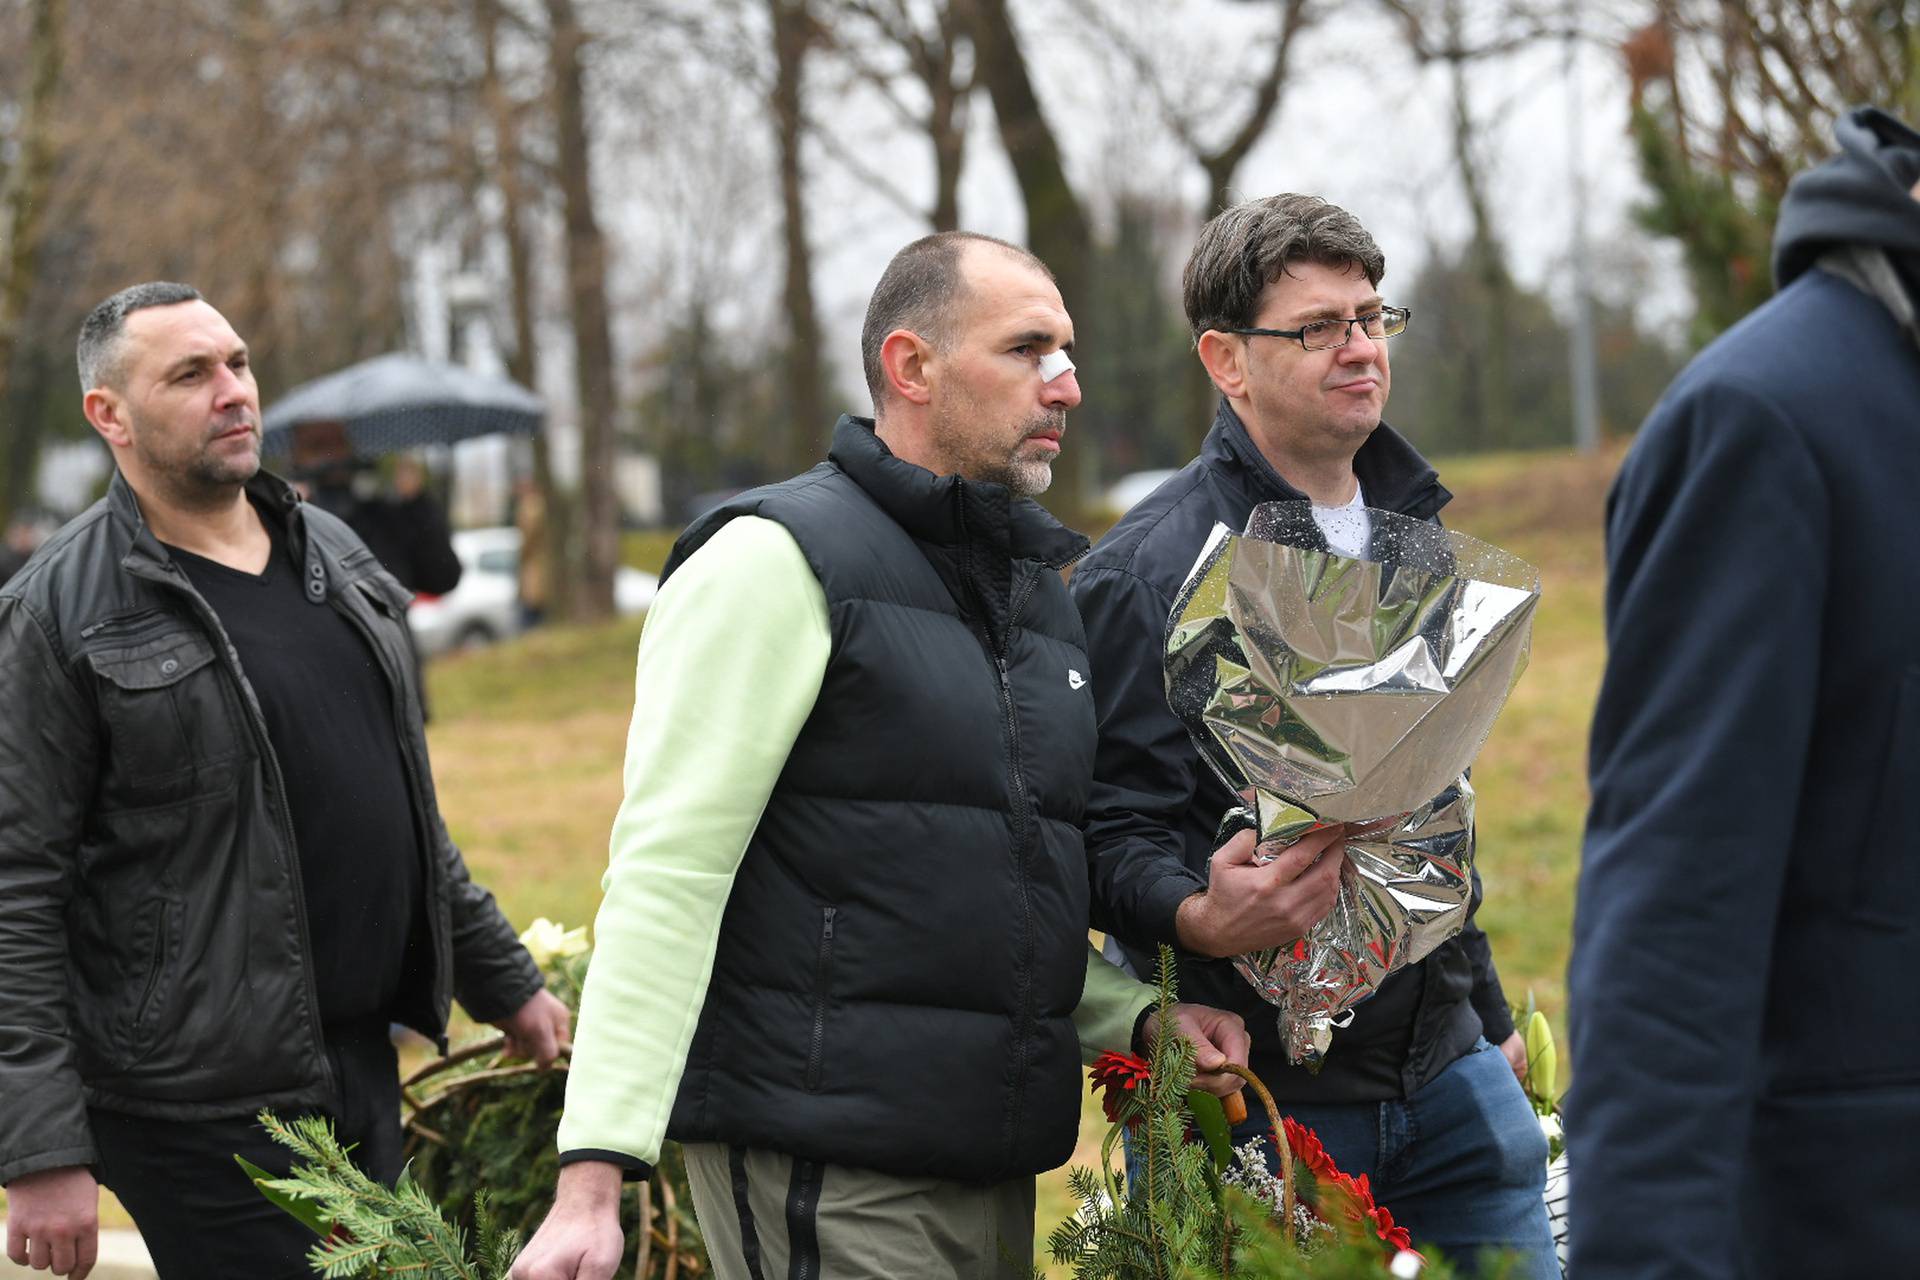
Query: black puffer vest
{"type": "Point", "coordinates": [906, 938]}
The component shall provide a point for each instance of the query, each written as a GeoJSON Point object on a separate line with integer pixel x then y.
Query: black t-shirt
{"type": "Point", "coordinates": [329, 714]}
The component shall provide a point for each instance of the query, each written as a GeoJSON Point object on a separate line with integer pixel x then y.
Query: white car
{"type": "Point", "coordinates": [485, 607]}
{"type": "Point", "coordinates": [1129, 489]}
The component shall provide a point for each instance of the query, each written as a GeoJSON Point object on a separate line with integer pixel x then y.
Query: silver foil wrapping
{"type": "Point", "coordinates": [1351, 690]}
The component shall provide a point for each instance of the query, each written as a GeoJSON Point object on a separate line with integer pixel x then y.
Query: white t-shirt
{"type": "Point", "coordinates": [1346, 528]}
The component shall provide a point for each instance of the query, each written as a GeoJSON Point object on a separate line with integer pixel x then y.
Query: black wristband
{"type": "Point", "coordinates": [1140, 1029]}
{"type": "Point", "coordinates": [631, 1169]}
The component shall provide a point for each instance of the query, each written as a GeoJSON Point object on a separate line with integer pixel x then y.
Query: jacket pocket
{"type": "Point", "coordinates": [822, 981]}
{"type": "Point", "coordinates": [165, 713]}
{"type": "Point", "coordinates": [154, 948]}
{"type": "Point", "coordinates": [1888, 876]}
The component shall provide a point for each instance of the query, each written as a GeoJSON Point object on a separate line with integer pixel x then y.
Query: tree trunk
{"type": "Point", "coordinates": [1223, 165]}
{"type": "Point", "coordinates": [1057, 228]}
{"type": "Point", "coordinates": [592, 331]}
{"type": "Point", "coordinates": [25, 203]}
{"type": "Point", "coordinates": [259, 223]}
{"type": "Point", "coordinates": [523, 362]}
{"type": "Point", "coordinates": [1493, 426]}
{"type": "Point", "coordinates": [807, 425]}
{"type": "Point", "coordinates": [946, 121]}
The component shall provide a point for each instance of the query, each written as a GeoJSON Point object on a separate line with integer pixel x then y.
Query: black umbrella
{"type": "Point", "coordinates": [396, 402]}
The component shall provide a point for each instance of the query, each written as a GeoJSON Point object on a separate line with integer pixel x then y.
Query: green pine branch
{"type": "Point", "coordinates": [380, 1231]}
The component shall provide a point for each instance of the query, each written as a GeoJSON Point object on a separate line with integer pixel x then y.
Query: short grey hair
{"type": "Point", "coordinates": [99, 353]}
{"type": "Point", "coordinates": [919, 291]}
{"type": "Point", "coordinates": [1249, 246]}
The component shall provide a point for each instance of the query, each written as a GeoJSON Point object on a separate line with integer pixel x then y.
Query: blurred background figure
{"type": "Point", "coordinates": [23, 537]}
{"type": "Point", "coordinates": [406, 528]}
{"type": "Point", "coordinates": [530, 518]}
{"type": "Point", "coordinates": [407, 531]}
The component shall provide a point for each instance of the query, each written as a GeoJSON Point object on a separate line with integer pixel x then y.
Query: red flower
{"type": "Point", "coordinates": [1385, 1228]}
{"type": "Point", "coordinates": [1305, 1145]}
{"type": "Point", "coordinates": [1354, 1193]}
{"type": "Point", "coordinates": [1110, 1076]}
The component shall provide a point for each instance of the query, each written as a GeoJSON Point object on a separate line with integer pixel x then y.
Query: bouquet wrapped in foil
{"type": "Point", "coordinates": [1352, 690]}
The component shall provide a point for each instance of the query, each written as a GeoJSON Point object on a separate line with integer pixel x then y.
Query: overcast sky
{"type": "Point", "coordinates": [686, 165]}
{"type": "Point", "coordinates": [1361, 124]}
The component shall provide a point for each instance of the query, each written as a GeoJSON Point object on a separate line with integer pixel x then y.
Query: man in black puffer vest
{"type": "Point", "coordinates": [843, 953]}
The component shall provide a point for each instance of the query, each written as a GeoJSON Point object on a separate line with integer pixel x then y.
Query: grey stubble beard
{"type": "Point", "coordinates": [200, 482]}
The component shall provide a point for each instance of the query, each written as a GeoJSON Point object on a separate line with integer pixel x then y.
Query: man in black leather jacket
{"type": "Point", "coordinates": [1420, 1091]}
{"type": "Point", "coordinates": [223, 872]}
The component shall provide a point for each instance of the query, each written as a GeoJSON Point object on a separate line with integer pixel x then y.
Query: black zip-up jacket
{"type": "Point", "coordinates": [153, 948]}
{"type": "Point", "coordinates": [1155, 807]}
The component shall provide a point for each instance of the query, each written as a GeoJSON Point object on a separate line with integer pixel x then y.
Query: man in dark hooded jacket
{"type": "Point", "coordinates": [1746, 1027]}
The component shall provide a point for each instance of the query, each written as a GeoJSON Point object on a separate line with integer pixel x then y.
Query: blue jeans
{"type": "Point", "coordinates": [1462, 1164]}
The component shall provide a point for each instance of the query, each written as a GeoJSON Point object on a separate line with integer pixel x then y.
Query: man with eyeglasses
{"type": "Point", "coordinates": [1420, 1092]}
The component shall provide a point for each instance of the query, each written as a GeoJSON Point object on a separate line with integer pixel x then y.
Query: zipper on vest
{"type": "Point", "coordinates": [822, 970]}
{"type": "Point", "coordinates": [1023, 854]}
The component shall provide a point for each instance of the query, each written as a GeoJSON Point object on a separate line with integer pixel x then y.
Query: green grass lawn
{"type": "Point", "coordinates": [528, 739]}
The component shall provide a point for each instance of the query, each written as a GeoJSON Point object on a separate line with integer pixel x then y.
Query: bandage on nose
{"type": "Point", "coordinates": [1053, 364]}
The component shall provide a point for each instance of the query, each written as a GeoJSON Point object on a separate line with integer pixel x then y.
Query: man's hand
{"type": "Point", "coordinates": [1515, 1049]}
{"type": "Point", "coordinates": [1247, 906]}
{"type": "Point", "coordinates": [53, 1221]}
{"type": "Point", "coordinates": [1218, 1037]}
{"type": "Point", "coordinates": [538, 1029]}
{"type": "Point", "coordinates": [580, 1239]}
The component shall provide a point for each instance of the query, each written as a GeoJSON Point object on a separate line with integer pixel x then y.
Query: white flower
{"type": "Point", "coordinates": [1550, 1126]}
{"type": "Point", "coordinates": [546, 941]}
{"type": "Point", "coordinates": [1097, 1208]}
{"type": "Point", "coordinates": [1406, 1265]}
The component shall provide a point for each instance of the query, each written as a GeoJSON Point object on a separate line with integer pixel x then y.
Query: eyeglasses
{"type": "Point", "coordinates": [1325, 335]}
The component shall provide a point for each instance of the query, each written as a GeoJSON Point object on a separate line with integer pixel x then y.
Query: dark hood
{"type": "Point", "coordinates": [1863, 196]}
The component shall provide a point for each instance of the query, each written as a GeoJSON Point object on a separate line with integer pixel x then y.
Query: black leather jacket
{"type": "Point", "coordinates": [153, 950]}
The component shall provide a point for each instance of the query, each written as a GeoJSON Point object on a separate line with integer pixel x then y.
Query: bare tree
{"type": "Point", "coordinates": [795, 33]}
{"type": "Point", "coordinates": [1218, 152]}
{"type": "Point", "coordinates": [1437, 33]}
{"type": "Point", "coordinates": [508, 171]}
{"type": "Point", "coordinates": [592, 328]}
{"type": "Point", "coordinates": [26, 185]}
{"type": "Point", "coordinates": [1731, 99]}
{"type": "Point", "coordinates": [918, 59]}
{"type": "Point", "coordinates": [1058, 230]}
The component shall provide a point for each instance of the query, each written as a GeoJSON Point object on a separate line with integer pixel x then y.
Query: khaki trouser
{"type": "Point", "coordinates": [766, 1216]}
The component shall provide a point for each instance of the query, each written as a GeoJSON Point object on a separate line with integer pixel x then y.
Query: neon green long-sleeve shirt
{"type": "Point", "coordinates": [735, 649]}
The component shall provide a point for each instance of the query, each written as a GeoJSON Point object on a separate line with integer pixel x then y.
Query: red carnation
{"type": "Point", "coordinates": [1111, 1075]}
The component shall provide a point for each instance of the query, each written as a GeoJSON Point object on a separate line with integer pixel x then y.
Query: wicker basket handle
{"type": "Point", "coordinates": [1236, 1103]}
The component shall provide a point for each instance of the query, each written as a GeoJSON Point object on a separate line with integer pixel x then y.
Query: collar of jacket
{"type": "Point", "coordinates": [146, 555]}
{"type": "Point", "coordinates": [1870, 270]}
{"type": "Point", "coordinates": [950, 511]}
{"type": "Point", "coordinates": [1391, 471]}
